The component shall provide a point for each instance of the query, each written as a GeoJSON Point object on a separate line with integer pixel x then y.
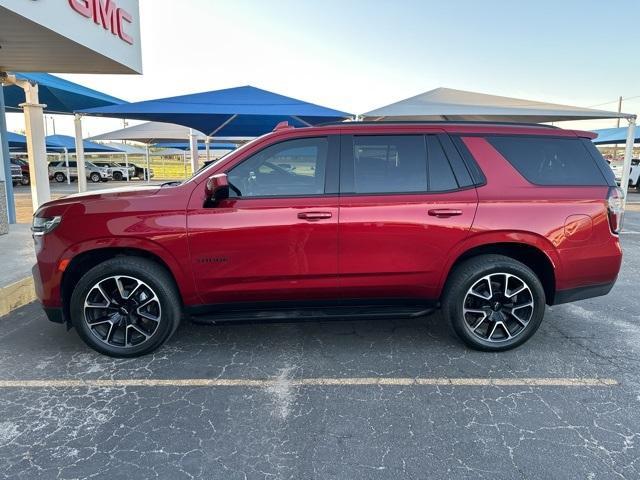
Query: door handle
{"type": "Point", "coordinates": [445, 212]}
{"type": "Point", "coordinates": [312, 216]}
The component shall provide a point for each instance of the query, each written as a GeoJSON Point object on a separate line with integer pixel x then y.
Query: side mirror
{"type": "Point", "coordinates": [217, 187]}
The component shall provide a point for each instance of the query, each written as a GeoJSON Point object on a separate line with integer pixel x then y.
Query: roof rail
{"type": "Point", "coordinates": [435, 122]}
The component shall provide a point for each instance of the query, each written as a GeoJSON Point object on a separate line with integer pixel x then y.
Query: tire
{"type": "Point", "coordinates": [60, 177]}
{"type": "Point", "coordinates": [504, 322]}
{"type": "Point", "coordinates": [95, 177]}
{"type": "Point", "coordinates": [25, 180]}
{"type": "Point", "coordinates": [117, 176]}
{"type": "Point", "coordinates": [120, 330]}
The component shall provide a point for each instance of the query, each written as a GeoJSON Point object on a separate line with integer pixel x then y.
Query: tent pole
{"type": "Point", "coordinates": [628, 153]}
{"type": "Point", "coordinates": [34, 122]}
{"type": "Point", "coordinates": [148, 171]}
{"type": "Point", "coordinates": [82, 171]}
{"type": "Point", "coordinates": [6, 162]}
{"type": "Point", "coordinates": [193, 142]}
{"type": "Point", "coordinates": [66, 164]}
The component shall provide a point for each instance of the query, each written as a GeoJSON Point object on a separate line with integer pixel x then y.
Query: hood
{"type": "Point", "coordinates": [61, 204]}
{"type": "Point", "coordinates": [136, 191]}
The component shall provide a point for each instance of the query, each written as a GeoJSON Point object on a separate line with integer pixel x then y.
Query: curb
{"type": "Point", "coordinates": [16, 295]}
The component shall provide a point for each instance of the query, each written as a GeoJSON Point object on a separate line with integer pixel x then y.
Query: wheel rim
{"type": "Point", "coordinates": [498, 307]}
{"type": "Point", "coordinates": [122, 311]}
{"type": "Point", "coordinates": [60, 178]}
{"type": "Point", "coordinates": [95, 178]}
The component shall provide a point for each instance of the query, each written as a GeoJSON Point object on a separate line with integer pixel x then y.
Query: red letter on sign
{"type": "Point", "coordinates": [123, 16]}
{"type": "Point", "coordinates": [104, 14]}
{"type": "Point", "coordinates": [83, 7]}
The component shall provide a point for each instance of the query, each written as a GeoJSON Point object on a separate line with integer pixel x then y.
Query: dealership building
{"type": "Point", "coordinates": [58, 36]}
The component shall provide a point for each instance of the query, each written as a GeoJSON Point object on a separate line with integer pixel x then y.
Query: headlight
{"type": "Point", "coordinates": [44, 225]}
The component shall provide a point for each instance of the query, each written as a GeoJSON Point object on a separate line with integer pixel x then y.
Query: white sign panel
{"type": "Point", "coordinates": [70, 36]}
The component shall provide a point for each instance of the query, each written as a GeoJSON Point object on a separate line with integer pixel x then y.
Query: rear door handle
{"type": "Point", "coordinates": [312, 216]}
{"type": "Point", "coordinates": [444, 212]}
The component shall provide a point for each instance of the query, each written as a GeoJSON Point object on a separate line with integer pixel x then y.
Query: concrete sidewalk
{"type": "Point", "coordinates": [17, 256]}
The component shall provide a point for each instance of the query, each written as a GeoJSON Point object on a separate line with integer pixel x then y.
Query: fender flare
{"type": "Point", "coordinates": [181, 277]}
{"type": "Point", "coordinates": [483, 239]}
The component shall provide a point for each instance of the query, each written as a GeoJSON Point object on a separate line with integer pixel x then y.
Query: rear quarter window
{"type": "Point", "coordinates": [550, 160]}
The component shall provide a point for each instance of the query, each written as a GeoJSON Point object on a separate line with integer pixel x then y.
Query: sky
{"type": "Point", "coordinates": [356, 55]}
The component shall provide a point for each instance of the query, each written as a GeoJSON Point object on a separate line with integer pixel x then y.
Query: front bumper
{"type": "Point", "coordinates": [54, 314]}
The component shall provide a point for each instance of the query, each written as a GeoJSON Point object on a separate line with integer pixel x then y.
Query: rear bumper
{"type": "Point", "coordinates": [581, 293]}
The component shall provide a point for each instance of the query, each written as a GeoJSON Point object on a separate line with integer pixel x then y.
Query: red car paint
{"type": "Point", "coordinates": [362, 246]}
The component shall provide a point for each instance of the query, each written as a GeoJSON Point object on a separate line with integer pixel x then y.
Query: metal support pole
{"type": "Point", "coordinates": [34, 122]}
{"type": "Point", "coordinates": [615, 147]}
{"type": "Point", "coordinates": [82, 170]}
{"type": "Point", "coordinates": [126, 164]}
{"type": "Point", "coordinates": [207, 147]}
{"type": "Point", "coordinates": [193, 143]}
{"type": "Point", "coordinates": [6, 162]}
{"type": "Point", "coordinates": [628, 153]}
{"type": "Point", "coordinates": [148, 172]}
{"type": "Point", "coordinates": [66, 164]}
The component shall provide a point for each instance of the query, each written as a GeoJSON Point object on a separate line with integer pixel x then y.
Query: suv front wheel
{"type": "Point", "coordinates": [493, 302]}
{"type": "Point", "coordinates": [125, 307]}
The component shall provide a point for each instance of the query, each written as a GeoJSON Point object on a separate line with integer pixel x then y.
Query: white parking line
{"type": "Point", "coordinates": [312, 382]}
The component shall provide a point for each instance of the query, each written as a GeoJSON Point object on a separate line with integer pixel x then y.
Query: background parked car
{"type": "Point", "coordinates": [634, 176]}
{"type": "Point", "coordinates": [119, 171]}
{"type": "Point", "coordinates": [16, 174]}
{"type": "Point", "coordinates": [140, 171]}
{"type": "Point", "coordinates": [24, 168]}
{"type": "Point", "coordinates": [58, 172]}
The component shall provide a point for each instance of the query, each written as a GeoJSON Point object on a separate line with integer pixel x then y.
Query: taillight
{"type": "Point", "coordinates": [615, 204]}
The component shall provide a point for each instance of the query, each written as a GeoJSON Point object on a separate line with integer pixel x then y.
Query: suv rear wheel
{"type": "Point", "coordinates": [60, 177]}
{"type": "Point", "coordinates": [125, 307]}
{"type": "Point", "coordinates": [493, 302]}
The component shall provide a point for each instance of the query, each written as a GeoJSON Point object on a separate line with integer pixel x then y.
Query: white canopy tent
{"type": "Point", "coordinates": [445, 104]}
{"type": "Point", "coordinates": [151, 133]}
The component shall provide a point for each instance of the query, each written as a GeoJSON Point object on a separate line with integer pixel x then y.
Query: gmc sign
{"type": "Point", "coordinates": [107, 14]}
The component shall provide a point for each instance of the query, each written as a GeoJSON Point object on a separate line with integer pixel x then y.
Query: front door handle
{"type": "Point", "coordinates": [445, 212]}
{"type": "Point", "coordinates": [313, 216]}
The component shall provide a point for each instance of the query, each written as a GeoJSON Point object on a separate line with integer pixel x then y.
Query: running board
{"type": "Point", "coordinates": [309, 313]}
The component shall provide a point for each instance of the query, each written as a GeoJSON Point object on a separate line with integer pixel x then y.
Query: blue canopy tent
{"type": "Point", "coordinates": [612, 136]}
{"type": "Point", "coordinates": [65, 142]}
{"type": "Point", "coordinates": [59, 97]}
{"type": "Point", "coordinates": [18, 143]}
{"type": "Point", "coordinates": [233, 112]}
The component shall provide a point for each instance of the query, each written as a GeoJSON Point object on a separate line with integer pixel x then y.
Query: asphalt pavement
{"type": "Point", "coordinates": [376, 399]}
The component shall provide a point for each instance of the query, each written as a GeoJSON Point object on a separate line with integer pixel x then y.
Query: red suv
{"type": "Point", "coordinates": [489, 222]}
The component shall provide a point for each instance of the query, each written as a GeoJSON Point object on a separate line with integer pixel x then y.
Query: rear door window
{"type": "Point", "coordinates": [389, 164]}
{"type": "Point", "coordinates": [550, 160]}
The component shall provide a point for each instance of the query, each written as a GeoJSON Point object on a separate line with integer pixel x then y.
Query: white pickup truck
{"type": "Point", "coordinates": [634, 177]}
